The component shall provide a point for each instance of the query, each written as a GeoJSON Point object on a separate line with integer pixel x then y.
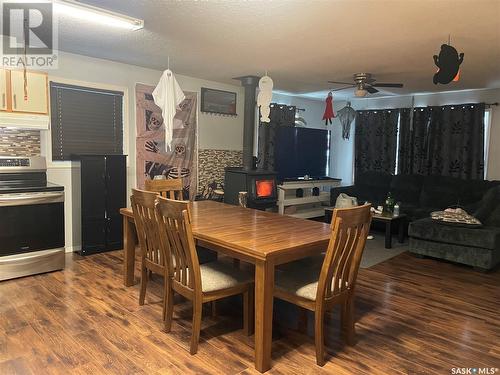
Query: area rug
{"type": "Point", "coordinates": [375, 251]}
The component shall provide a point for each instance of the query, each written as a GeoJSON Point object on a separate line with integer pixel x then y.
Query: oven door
{"type": "Point", "coordinates": [31, 222]}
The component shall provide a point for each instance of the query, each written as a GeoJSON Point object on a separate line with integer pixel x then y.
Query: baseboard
{"type": "Point", "coordinates": [73, 249]}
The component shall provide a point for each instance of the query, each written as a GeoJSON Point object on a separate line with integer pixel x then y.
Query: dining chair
{"type": "Point", "coordinates": [320, 285]}
{"type": "Point", "coordinates": [170, 188]}
{"type": "Point", "coordinates": [153, 255]}
{"type": "Point", "coordinates": [198, 283]}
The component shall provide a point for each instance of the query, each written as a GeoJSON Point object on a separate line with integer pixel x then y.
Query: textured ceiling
{"type": "Point", "coordinates": [302, 44]}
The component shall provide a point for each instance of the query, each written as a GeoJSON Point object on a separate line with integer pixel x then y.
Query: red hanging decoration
{"type": "Point", "coordinates": [329, 113]}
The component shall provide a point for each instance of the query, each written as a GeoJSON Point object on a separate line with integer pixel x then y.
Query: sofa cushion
{"type": "Point", "coordinates": [472, 191]}
{"type": "Point", "coordinates": [415, 212]}
{"type": "Point", "coordinates": [406, 188]}
{"type": "Point", "coordinates": [489, 209]}
{"type": "Point", "coordinates": [440, 191]}
{"type": "Point", "coordinates": [431, 230]}
{"type": "Point", "coordinates": [373, 186]}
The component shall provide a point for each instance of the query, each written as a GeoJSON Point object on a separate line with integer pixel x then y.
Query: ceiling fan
{"type": "Point", "coordinates": [364, 83]}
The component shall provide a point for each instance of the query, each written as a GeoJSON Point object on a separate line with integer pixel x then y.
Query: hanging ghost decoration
{"type": "Point", "coordinates": [346, 116]}
{"type": "Point", "coordinates": [264, 98]}
{"type": "Point", "coordinates": [329, 114]}
{"type": "Point", "coordinates": [448, 63]}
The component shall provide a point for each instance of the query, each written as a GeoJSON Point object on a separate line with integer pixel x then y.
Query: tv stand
{"type": "Point", "coordinates": [309, 205]}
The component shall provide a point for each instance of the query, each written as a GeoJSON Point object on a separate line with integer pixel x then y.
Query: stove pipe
{"type": "Point", "coordinates": [250, 83]}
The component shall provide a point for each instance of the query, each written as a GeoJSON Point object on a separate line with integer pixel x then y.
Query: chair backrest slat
{"type": "Point", "coordinates": [144, 208]}
{"type": "Point", "coordinates": [176, 237]}
{"type": "Point", "coordinates": [350, 227]}
{"type": "Point", "coordinates": [171, 188]}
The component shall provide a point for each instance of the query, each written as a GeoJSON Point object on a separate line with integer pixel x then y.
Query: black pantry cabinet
{"type": "Point", "coordinates": [103, 193]}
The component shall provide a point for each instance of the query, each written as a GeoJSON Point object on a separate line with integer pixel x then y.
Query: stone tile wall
{"type": "Point", "coordinates": [19, 142]}
{"type": "Point", "coordinates": [211, 164]}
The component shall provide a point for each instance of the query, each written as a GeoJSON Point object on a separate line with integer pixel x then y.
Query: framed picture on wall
{"type": "Point", "coordinates": [218, 101]}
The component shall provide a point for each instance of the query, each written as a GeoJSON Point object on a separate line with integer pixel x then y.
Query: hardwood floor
{"type": "Point", "coordinates": [414, 316]}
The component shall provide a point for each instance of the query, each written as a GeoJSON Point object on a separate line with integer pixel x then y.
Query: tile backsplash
{"type": "Point", "coordinates": [211, 164]}
{"type": "Point", "coordinates": [19, 142]}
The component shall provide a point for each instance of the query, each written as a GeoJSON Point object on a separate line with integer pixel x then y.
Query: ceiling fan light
{"type": "Point", "coordinates": [360, 93]}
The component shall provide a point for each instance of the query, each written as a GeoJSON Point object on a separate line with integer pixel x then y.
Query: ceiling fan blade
{"type": "Point", "coordinates": [388, 85]}
{"type": "Point", "coordinates": [370, 89]}
{"type": "Point", "coordinates": [343, 83]}
{"type": "Point", "coordinates": [343, 88]}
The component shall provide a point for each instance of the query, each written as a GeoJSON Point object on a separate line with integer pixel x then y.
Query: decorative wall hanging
{"type": "Point", "coordinates": [218, 102]}
{"type": "Point", "coordinates": [346, 116]}
{"type": "Point", "coordinates": [264, 98]}
{"type": "Point", "coordinates": [448, 63]}
{"type": "Point", "coordinates": [151, 157]}
{"type": "Point", "coordinates": [329, 114]}
{"type": "Point", "coordinates": [168, 96]}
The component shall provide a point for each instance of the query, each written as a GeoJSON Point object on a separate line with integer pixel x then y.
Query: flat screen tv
{"type": "Point", "coordinates": [301, 151]}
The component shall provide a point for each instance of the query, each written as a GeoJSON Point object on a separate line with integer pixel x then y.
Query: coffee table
{"type": "Point", "coordinates": [389, 222]}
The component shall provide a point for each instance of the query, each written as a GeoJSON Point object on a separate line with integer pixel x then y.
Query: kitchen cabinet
{"type": "Point", "coordinates": [103, 193]}
{"type": "Point", "coordinates": [3, 89]}
{"type": "Point", "coordinates": [37, 86]}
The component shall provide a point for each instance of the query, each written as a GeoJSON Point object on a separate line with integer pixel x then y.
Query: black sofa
{"type": "Point", "coordinates": [420, 195]}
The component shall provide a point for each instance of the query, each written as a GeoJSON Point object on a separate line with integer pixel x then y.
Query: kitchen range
{"type": "Point", "coordinates": [31, 219]}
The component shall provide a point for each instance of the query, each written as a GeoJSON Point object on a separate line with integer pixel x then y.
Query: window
{"type": "Point", "coordinates": [487, 127]}
{"type": "Point", "coordinates": [85, 120]}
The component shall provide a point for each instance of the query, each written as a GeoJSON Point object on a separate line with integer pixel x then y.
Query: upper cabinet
{"type": "Point", "coordinates": [12, 98]}
{"type": "Point", "coordinates": [3, 90]}
{"type": "Point", "coordinates": [36, 100]}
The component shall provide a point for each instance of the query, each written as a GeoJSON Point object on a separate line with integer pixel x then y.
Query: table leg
{"type": "Point", "coordinates": [401, 231]}
{"type": "Point", "coordinates": [264, 290]}
{"type": "Point", "coordinates": [388, 234]}
{"type": "Point", "coordinates": [129, 243]}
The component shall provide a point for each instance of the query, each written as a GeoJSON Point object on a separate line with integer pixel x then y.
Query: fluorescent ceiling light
{"type": "Point", "coordinates": [94, 14]}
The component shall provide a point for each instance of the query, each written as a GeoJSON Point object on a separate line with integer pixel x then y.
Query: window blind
{"type": "Point", "coordinates": [85, 120]}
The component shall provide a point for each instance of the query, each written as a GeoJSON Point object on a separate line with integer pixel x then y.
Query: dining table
{"type": "Point", "coordinates": [265, 239]}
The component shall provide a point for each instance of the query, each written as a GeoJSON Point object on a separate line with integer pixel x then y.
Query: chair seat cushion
{"type": "Point", "coordinates": [218, 276]}
{"type": "Point", "coordinates": [300, 277]}
{"type": "Point", "coordinates": [428, 229]}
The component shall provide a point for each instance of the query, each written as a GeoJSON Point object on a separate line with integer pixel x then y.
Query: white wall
{"type": "Point", "coordinates": [214, 131]}
{"type": "Point", "coordinates": [343, 161]}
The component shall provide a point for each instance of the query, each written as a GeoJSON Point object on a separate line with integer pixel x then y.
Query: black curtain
{"type": "Point", "coordinates": [445, 141]}
{"type": "Point", "coordinates": [376, 140]}
{"type": "Point", "coordinates": [280, 115]}
{"type": "Point", "coordinates": [414, 141]}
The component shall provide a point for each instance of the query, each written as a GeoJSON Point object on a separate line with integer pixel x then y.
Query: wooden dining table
{"type": "Point", "coordinates": [262, 238]}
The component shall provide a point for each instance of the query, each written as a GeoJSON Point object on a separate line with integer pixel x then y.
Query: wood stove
{"type": "Point", "coordinates": [260, 185]}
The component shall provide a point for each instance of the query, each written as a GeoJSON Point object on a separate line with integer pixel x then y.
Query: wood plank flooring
{"type": "Point", "coordinates": [414, 316]}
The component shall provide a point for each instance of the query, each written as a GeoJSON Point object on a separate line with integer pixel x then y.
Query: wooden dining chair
{"type": "Point", "coordinates": [153, 255]}
{"type": "Point", "coordinates": [198, 283]}
{"type": "Point", "coordinates": [171, 188]}
{"type": "Point", "coordinates": [318, 286]}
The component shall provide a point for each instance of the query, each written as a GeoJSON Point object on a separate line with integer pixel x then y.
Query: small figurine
{"type": "Point", "coordinates": [264, 98]}
{"type": "Point", "coordinates": [448, 63]}
{"type": "Point", "coordinates": [329, 114]}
